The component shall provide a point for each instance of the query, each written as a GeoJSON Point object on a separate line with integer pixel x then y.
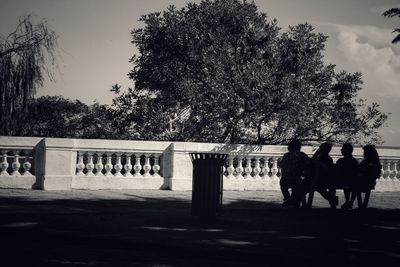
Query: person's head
{"type": "Point", "coordinates": [370, 153]}
{"type": "Point", "coordinates": [294, 145]}
{"type": "Point", "coordinates": [347, 149]}
{"type": "Point", "coordinates": [325, 148]}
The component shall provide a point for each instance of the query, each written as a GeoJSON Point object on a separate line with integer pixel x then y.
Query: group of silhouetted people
{"type": "Point", "coordinates": [302, 174]}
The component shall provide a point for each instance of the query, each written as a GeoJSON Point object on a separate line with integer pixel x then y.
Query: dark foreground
{"type": "Point", "coordinates": [154, 228]}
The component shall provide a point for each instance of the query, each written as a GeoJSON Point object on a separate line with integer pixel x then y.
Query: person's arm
{"type": "Point", "coordinates": [377, 169]}
{"type": "Point", "coordinates": [284, 162]}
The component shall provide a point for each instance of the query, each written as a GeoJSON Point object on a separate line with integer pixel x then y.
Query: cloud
{"type": "Point", "coordinates": [369, 50]}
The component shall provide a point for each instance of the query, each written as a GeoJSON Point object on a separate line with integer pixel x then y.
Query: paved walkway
{"type": "Point", "coordinates": [154, 228]}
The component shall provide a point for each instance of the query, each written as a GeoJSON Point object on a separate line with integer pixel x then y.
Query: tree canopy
{"type": "Point", "coordinates": [55, 116]}
{"type": "Point", "coordinates": [220, 71]}
{"type": "Point", "coordinates": [23, 58]}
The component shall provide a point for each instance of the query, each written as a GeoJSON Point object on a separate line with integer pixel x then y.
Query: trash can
{"type": "Point", "coordinates": [207, 185]}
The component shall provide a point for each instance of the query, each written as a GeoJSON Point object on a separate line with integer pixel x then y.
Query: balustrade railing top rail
{"type": "Point", "coordinates": [18, 143]}
{"type": "Point", "coordinates": [274, 150]}
{"type": "Point", "coordinates": [119, 145]}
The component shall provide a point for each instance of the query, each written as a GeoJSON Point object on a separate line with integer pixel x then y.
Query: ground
{"type": "Point", "coordinates": [155, 228]}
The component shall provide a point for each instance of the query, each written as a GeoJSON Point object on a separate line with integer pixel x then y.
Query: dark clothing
{"type": "Point", "coordinates": [318, 173]}
{"type": "Point", "coordinates": [345, 171]}
{"type": "Point", "coordinates": [320, 176]}
{"type": "Point", "coordinates": [293, 165]}
{"type": "Point", "coordinates": [324, 163]}
{"type": "Point", "coordinates": [368, 172]}
{"type": "Point", "coordinates": [286, 184]}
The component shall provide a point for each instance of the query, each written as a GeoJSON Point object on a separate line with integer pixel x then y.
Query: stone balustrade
{"type": "Point", "coordinates": [63, 164]}
{"type": "Point", "coordinates": [118, 164]}
{"type": "Point", "coordinates": [261, 170]}
{"type": "Point", "coordinates": [17, 162]}
{"type": "Point", "coordinates": [120, 169]}
{"type": "Point", "coordinates": [21, 162]}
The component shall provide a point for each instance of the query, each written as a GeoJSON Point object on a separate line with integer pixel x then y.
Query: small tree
{"type": "Point", "coordinates": [23, 55]}
{"type": "Point", "coordinates": [220, 71]}
{"type": "Point", "coordinates": [393, 12]}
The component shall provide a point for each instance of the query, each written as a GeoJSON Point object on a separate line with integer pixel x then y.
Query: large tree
{"type": "Point", "coordinates": [23, 62]}
{"type": "Point", "coordinates": [393, 12]}
{"type": "Point", "coordinates": [220, 71]}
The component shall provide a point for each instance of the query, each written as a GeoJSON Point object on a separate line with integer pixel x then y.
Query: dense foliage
{"type": "Point", "coordinates": [220, 71]}
{"type": "Point", "coordinates": [55, 116]}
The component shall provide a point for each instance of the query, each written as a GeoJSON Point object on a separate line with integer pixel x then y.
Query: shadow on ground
{"type": "Point", "coordinates": [142, 231]}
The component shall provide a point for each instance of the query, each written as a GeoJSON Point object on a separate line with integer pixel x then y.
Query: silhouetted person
{"type": "Point", "coordinates": [324, 163]}
{"type": "Point", "coordinates": [368, 171]}
{"type": "Point", "coordinates": [293, 166]}
{"type": "Point", "coordinates": [346, 171]}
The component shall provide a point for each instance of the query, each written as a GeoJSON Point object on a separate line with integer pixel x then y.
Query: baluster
{"type": "Point", "coordinates": [4, 164]}
{"type": "Point", "coordinates": [118, 165]}
{"type": "Point", "coordinates": [274, 169]}
{"type": "Point", "coordinates": [128, 165]}
{"type": "Point", "coordinates": [389, 168]}
{"type": "Point", "coordinates": [248, 168]}
{"type": "Point", "coordinates": [27, 165]}
{"type": "Point", "coordinates": [265, 168]}
{"type": "Point", "coordinates": [99, 164]}
{"type": "Point", "coordinates": [108, 167]}
{"type": "Point", "coordinates": [80, 165]}
{"type": "Point", "coordinates": [239, 168]}
{"type": "Point", "coordinates": [382, 170]}
{"type": "Point", "coordinates": [279, 174]}
{"type": "Point", "coordinates": [16, 164]}
{"type": "Point", "coordinates": [230, 168]}
{"type": "Point", "coordinates": [386, 167]}
{"type": "Point", "coordinates": [156, 166]}
{"type": "Point", "coordinates": [90, 164]}
{"type": "Point", "coordinates": [146, 166]}
{"type": "Point", "coordinates": [257, 168]}
{"type": "Point", "coordinates": [137, 167]}
{"type": "Point", "coordinates": [398, 169]}
{"type": "Point", "coordinates": [393, 172]}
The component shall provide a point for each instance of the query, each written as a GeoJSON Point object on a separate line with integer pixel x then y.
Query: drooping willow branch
{"type": "Point", "coordinates": [24, 55]}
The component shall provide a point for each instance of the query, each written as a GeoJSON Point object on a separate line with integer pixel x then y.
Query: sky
{"type": "Point", "coordinates": [95, 43]}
